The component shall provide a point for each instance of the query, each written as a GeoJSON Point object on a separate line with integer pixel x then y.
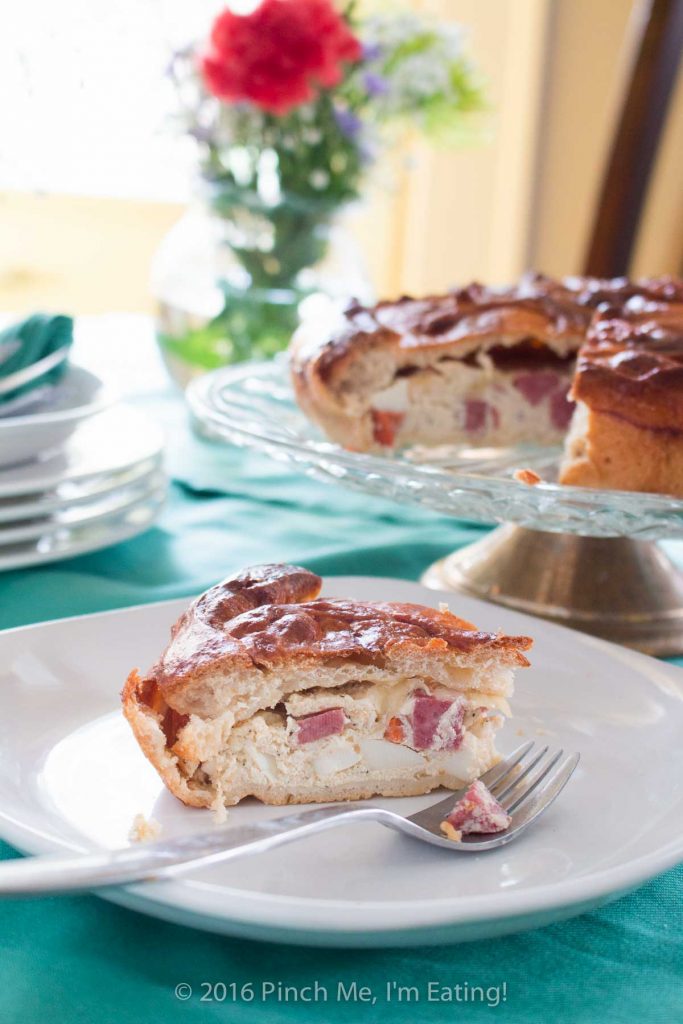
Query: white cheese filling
{"type": "Point", "coordinates": [265, 748]}
{"type": "Point", "coordinates": [461, 402]}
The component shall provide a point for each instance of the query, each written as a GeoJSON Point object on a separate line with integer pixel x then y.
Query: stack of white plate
{"type": "Point", "coordinates": [77, 473]}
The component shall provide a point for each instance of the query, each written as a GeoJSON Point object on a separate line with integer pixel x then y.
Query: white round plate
{"type": "Point", "coordinates": [112, 442]}
{"type": "Point", "coordinates": [70, 494]}
{"type": "Point", "coordinates": [73, 778]}
{"type": "Point", "coordinates": [77, 396]}
{"type": "Point", "coordinates": [69, 541]}
{"type": "Point", "coordinates": [108, 507]}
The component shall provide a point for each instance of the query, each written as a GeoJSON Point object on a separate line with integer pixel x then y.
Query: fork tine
{"type": "Point", "coordinates": [494, 776]}
{"type": "Point", "coordinates": [430, 817]}
{"type": "Point", "coordinates": [542, 781]}
{"type": "Point", "coordinates": [531, 782]}
{"type": "Point", "coordinates": [517, 778]}
{"type": "Point", "coordinates": [546, 794]}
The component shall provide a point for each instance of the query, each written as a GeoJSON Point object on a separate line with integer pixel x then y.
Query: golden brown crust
{"type": "Point", "coordinates": [323, 793]}
{"type": "Point", "coordinates": [146, 726]}
{"type": "Point", "coordinates": [358, 630]}
{"type": "Point", "coordinates": [613, 454]}
{"type": "Point", "coordinates": [596, 292]}
{"type": "Point", "coordinates": [538, 309]}
{"type": "Point", "coordinates": [269, 618]}
{"type": "Point", "coordinates": [200, 638]}
{"type": "Point", "coordinates": [336, 369]}
{"type": "Point", "coordinates": [269, 615]}
{"type": "Point", "coordinates": [631, 365]}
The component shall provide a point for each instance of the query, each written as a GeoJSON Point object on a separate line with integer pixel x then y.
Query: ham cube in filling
{"type": "Point", "coordinates": [385, 426]}
{"type": "Point", "coordinates": [537, 386]}
{"type": "Point", "coordinates": [429, 723]}
{"type": "Point", "coordinates": [477, 811]}
{"type": "Point", "coordinates": [320, 725]}
{"type": "Point", "coordinates": [477, 414]}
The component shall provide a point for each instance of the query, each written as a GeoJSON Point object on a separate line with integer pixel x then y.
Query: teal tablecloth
{"type": "Point", "coordinates": [88, 961]}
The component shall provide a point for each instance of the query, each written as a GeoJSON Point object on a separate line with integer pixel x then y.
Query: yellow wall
{"type": "Point", "coordinates": [590, 50]}
{"type": "Point", "coordinates": [660, 240]}
{"type": "Point", "coordinates": [584, 79]}
{"type": "Point", "coordinates": [556, 71]}
{"type": "Point", "coordinates": [525, 197]}
{"type": "Point", "coordinates": [466, 212]}
{"type": "Point", "coordinates": [80, 255]}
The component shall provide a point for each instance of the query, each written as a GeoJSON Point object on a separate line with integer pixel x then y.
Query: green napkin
{"type": "Point", "coordinates": [24, 343]}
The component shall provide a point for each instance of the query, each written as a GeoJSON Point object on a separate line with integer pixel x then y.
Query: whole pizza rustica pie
{"type": "Point", "coordinates": [496, 367]}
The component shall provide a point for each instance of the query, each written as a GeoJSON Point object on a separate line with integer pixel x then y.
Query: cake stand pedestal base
{"type": "Point", "coordinates": [620, 589]}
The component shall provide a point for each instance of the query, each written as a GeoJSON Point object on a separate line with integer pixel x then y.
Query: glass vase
{"type": "Point", "coordinates": [231, 277]}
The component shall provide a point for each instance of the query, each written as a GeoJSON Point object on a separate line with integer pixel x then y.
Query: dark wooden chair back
{"type": "Point", "coordinates": [639, 128]}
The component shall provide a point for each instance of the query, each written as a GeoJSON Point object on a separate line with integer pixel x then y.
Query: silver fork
{"type": "Point", "coordinates": [525, 783]}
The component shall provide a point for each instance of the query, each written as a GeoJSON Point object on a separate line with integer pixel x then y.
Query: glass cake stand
{"type": "Point", "coordinates": [584, 558]}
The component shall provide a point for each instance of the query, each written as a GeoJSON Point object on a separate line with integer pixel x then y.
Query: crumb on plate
{"type": "Point", "coordinates": [527, 476]}
{"type": "Point", "coordinates": [144, 830]}
{"type": "Point", "coordinates": [220, 813]}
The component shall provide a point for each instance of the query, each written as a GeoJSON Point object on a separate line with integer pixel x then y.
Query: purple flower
{"type": "Point", "coordinates": [375, 84]}
{"type": "Point", "coordinates": [372, 51]}
{"type": "Point", "coordinates": [349, 124]}
{"type": "Point", "coordinates": [201, 133]}
{"type": "Point", "coordinates": [176, 61]}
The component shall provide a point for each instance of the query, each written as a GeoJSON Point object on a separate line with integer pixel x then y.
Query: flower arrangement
{"type": "Point", "coordinates": [289, 106]}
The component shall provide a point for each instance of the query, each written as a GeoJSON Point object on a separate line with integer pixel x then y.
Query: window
{"type": "Point", "coordinates": [86, 104]}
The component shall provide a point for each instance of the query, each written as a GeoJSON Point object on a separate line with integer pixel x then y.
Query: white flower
{"type": "Point", "coordinates": [392, 30]}
{"type": "Point", "coordinates": [420, 76]}
{"type": "Point", "coordinates": [452, 39]}
{"type": "Point", "coordinates": [319, 179]}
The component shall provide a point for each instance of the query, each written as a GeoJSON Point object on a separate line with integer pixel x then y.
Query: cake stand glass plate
{"type": "Point", "coordinates": [595, 566]}
{"type": "Point", "coordinates": [73, 778]}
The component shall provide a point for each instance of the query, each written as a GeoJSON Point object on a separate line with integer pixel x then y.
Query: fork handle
{"type": "Point", "coordinates": [54, 875]}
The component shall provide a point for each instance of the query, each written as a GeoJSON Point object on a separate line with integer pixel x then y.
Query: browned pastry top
{"type": "Point", "coordinates": [616, 291]}
{"type": "Point", "coordinates": [631, 365]}
{"type": "Point", "coordinates": [270, 614]}
{"type": "Point", "coordinates": [538, 308]}
{"type": "Point", "coordinates": [355, 629]}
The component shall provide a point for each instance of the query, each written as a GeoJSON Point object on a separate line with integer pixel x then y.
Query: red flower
{"type": "Point", "coordinates": [278, 55]}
